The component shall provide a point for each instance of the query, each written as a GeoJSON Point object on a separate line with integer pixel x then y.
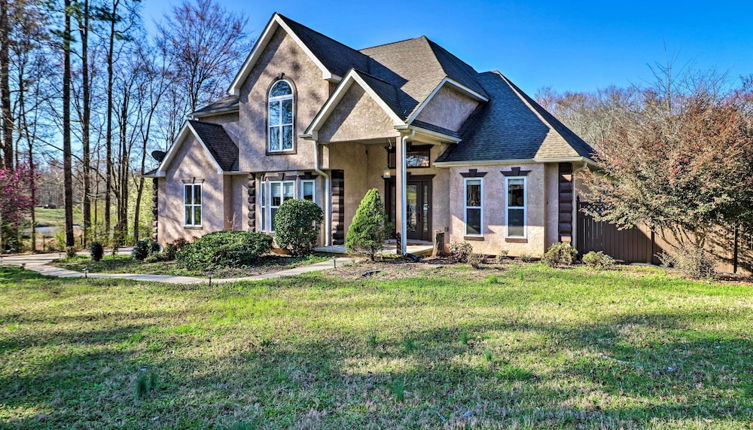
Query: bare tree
{"type": "Point", "coordinates": [67, 168]}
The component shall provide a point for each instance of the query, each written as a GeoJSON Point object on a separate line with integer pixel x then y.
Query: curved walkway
{"type": "Point", "coordinates": [40, 264]}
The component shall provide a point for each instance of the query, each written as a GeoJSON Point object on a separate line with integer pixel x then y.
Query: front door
{"type": "Point", "coordinates": [418, 199]}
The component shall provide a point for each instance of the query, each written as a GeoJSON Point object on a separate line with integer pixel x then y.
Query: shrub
{"type": "Point", "coordinates": [692, 261]}
{"type": "Point", "coordinates": [560, 254]}
{"type": "Point", "coordinates": [476, 260]}
{"type": "Point", "coordinates": [525, 258]}
{"type": "Point", "coordinates": [180, 244]}
{"type": "Point", "coordinates": [366, 233]}
{"type": "Point", "coordinates": [153, 246]}
{"type": "Point", "coordinates": [96, 250]}
{"type": "Point", "coordinates": [154, 258]}
{"type": "Point", "coordinates": [598, 260]}
{"type": "Point", "coordinates": [460, 251]}
{"type": "Point", "coordinates": [224, 249]}
{"type": "Point", "coordinates": [168, 254]}
{"type": "Point", "coordinates": [297, 225]}
{"type": "Point", "coordinates": [140, 250]}
{"type": "Point", "coordinates": [70, 251]}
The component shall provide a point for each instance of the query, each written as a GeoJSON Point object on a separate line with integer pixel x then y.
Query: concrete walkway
{"type": "Point", "coordinates": [40, 264]}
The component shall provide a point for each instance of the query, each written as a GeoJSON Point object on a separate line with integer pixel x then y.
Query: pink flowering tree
{"type": "Point", "coordinates": [15, 200]}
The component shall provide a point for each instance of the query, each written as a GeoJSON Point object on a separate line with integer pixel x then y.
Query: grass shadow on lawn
{"type": "Point", "coordinates": [443, 351]}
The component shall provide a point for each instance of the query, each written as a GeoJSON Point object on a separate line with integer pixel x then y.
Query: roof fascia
{"type": "Point", "coordinates": [187, 128]}
{"type": "Point", "coordinates": [513, 161]}
{"type": "Point", "coordinates": [275, 22]}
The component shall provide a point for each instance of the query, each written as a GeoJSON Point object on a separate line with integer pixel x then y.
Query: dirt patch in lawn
{"type": "Point", "coordinates": [401, 268]}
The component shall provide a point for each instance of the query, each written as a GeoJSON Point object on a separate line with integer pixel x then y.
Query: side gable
{"type": "Point", "coordinates": [212, 138]}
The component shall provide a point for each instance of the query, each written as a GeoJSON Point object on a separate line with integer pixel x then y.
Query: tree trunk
{"type": "Point", "coordinates": [67, 173]}
{"type": "Point", "coordinates": [108, 133]}
{"type": "Point", "coordinates": [5, 103]}
{"type": "Point", "coordinates": [86, 210]}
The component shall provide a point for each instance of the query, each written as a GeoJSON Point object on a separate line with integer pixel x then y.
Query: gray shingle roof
{"type": "Point", "coordinates": [513, 126]}
{"type": "Point", "coordinates": [225, 104]}
{"type": "Point", "coordinates": [222, 148]}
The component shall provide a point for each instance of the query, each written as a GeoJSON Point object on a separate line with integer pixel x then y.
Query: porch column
{"type": "Point", "coordinates": [401, 180]}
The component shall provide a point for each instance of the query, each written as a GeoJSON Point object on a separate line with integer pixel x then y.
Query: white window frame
{"type": "Point", "coordinates": [302, 188]}
{"type": "Point", "coordinates": [279, 127]}
{"type": "Point", "coordinates": [268, 194]}
{"type": "Point", "coordinates": [466, 207]}
{"type": "Point", "coordinates": [193, 205]}
{"type": "Point", "coordinates": [508, 207]}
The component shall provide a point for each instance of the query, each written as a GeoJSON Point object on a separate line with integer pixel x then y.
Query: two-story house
{"type": "Point", "coordinates": [450, 149]}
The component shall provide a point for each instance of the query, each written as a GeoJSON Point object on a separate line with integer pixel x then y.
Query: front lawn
{"type": "Point", "coordinates": [413, 346]}
{"type": "Point", "coordinates": [126, 264]}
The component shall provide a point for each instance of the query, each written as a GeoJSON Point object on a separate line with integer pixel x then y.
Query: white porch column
{"type": "Point", "coordinates": [401, 181]}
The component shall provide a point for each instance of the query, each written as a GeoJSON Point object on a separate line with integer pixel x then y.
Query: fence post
{"type": "Point", "coordinates": [734, 250]}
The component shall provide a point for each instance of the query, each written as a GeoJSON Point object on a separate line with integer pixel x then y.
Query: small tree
{"type": "Point", "coordinates": [367, 231]}
{"type": "Point", "coordinates": [15, 200]}
{"type": "Point", "coordinates": [297, 225]}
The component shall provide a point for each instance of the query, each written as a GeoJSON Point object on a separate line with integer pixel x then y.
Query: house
{"type": "Point", "coordinates": [450, 149]}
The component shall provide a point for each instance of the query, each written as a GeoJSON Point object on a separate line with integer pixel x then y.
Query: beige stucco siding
{"type": "Point", "coordinates": [282, 56]}
{"type": "Point", "coordinates": [352, 158]}
{"type": "Point", "coordinates": [191, 164]}
{"type": "Point", "coordinates": [448, 108]}
{"type": "Point", "coordinates": [357, 117]}
{"type": "Point", "coordinates": [494, 216]}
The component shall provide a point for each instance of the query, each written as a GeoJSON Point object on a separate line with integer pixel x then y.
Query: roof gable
{"type": "Point", "coordinates": [213, 139]}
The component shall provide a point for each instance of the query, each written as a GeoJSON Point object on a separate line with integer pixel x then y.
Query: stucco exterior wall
{"type": "Point", "coordinates": [494, 216]}
{"type": "Point", "coordinates": [281, 56]}
{"type": "Point", "coordinates": [448, 108]}
{"type": "Point", "coordinates": [357, 117]}
{"type": "Point", "coordinates": [191, 164]}
{"type": "Point", "coordinates": [352, 158]}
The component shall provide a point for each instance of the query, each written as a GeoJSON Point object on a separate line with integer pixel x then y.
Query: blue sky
{"type": "Point", "coordinates": [569, 46]}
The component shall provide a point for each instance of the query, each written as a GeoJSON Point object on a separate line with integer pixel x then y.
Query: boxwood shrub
{"type": "Point", "coordinates": [297, 225]}
{"type": "Point", "coordinates": [224, 249]}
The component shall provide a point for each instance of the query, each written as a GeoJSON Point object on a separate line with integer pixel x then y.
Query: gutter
{"type": "Point", "coordinates": [471, 163]}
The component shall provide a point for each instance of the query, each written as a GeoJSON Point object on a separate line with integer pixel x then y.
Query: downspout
{"type": "Point", "coordinates": [327, 195]}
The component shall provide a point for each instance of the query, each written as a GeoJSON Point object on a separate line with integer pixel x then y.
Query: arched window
{"type": "Point", "coordinates": [280, 117]}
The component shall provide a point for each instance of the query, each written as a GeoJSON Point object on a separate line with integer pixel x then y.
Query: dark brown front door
{"type": "Point", "coordinates": [418, 199]}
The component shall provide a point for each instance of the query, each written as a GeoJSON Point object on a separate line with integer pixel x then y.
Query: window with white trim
{"type": "Point", "coordinates": [516, 206]}
{"type": "Point", "coordinates": [308, 192]}
{"type": "Point", "coordinates": [473, 201]}
{"type": "Point", "coordinates": [280, 107]}
{"type": "Point", "coordinates": [279, 191]}
{"type": "Point", "coordinates": [192, 205]}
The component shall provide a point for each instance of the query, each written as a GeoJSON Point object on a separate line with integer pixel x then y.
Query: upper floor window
{"type": "Point", "coordinates": [280, 117]}
{"type": "Point", "coordinates": [415, 156]}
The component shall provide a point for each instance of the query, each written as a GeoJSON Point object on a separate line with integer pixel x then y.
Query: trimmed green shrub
{"type": "Point", "coordinates": [170, 251]}
{"type": "Point", "coordinates": [144, 248]}
{"type": "Point", "coordinates": [224, 249]}
{"type": "Point", "coordinates": [560, 254]}
{"type": "Point", "coordinates": [96, 251]}
{"type": "Point", "coordinates": [70, 251]}
{"type": "Point", "coordinates": [367, 231]}
{"type": "Point", "coordinates": [297, 225]}
{"type": "Point", "coordinates": [460, 251]}
{"type": "Point", "coordinates": [598, 260]}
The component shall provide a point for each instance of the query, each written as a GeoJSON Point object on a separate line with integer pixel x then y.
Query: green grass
{"type": "Point", "coordinates": [55, 217]}
{"type": "Point", "coordinates": [126, 264]}
{"type": "Point", "coordinates": [535, 348]}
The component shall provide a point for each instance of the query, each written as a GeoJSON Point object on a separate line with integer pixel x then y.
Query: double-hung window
{"type": "Point", "coordinates": [280, 117]}
{"type": "Point", "coordinates": [192, 204]}
{"type": "Point", "coordinates": [279, 191]}
{"type": "Point", "coordinates": [307, 190]}
{"type": "Point", "coordinates": [473, 199]}
{"type": "Point", "coordinates": [516, 206]}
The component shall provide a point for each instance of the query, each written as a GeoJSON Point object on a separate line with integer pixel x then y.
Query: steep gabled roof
{"type": "Point", "coordinates": [512, 126]}
{"type": "Point", "coordinates": [213, 138]}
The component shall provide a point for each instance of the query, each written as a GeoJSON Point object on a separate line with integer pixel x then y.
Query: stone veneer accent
{"type": "Point", "coordinates": [338, 207]}
{"type": "Point", "coordinates": [252, 202]}
{"type": "Point", "coordinates": [565, 199]}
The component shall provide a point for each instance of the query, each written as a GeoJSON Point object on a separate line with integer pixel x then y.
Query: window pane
{"type": "Point", "coordinates": [281, 88]}
{"type": "Point", "coordinates": [188, 215]}
{"type": "Point", "coordinates": [473, 193]}
{"type": "Point", "coordinates": [473, 221]}
{"type": "Point", "coordinates": [308, 190]}
{"type": "Point", "coordinates": [262, 206]}
{"type": "Point", "coordinates": [274, 138]}
{"type": "Point", "coordinates": [515, 222]}
{"type": "Point", "coordinates": [515, 193]}
{"type": "Point", "coordinates": [287, 137]}
{"type": "Point", "coordinates": [272, 213]}
{"type": "Point", "coordinates": [276, 193]}
{"type": "Point", "coordinates": [197, 194]}
{"type": "Point", "coordinates": [274, 113]}
{"type": "Point", "coordinates": [187, 194]}
{"type": "Point", "coordinates": [287, 111]}
{"type": "Point", "coordinates": [197, 215]}
{"type": "Point", "coordinates": [288, 190]}
{"type": "Point", "coordinates": [417, 159]}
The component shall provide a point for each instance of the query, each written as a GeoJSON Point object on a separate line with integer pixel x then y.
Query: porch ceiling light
{"type": "Point", "coordinates": [386, 173]}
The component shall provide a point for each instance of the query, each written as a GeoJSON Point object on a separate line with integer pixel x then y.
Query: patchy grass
{"type": "Point", "coordinates": [126, 264]}
{"type": "Point", "coordinates": [55, 217]}
{"type": "Point", "coordinates": [537, 347]}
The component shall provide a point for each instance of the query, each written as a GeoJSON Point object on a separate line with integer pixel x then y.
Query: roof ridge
{"type": "Point", "coordinates": [391, 43]}
{"type": "Point", "coordinates": [319, 33]}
